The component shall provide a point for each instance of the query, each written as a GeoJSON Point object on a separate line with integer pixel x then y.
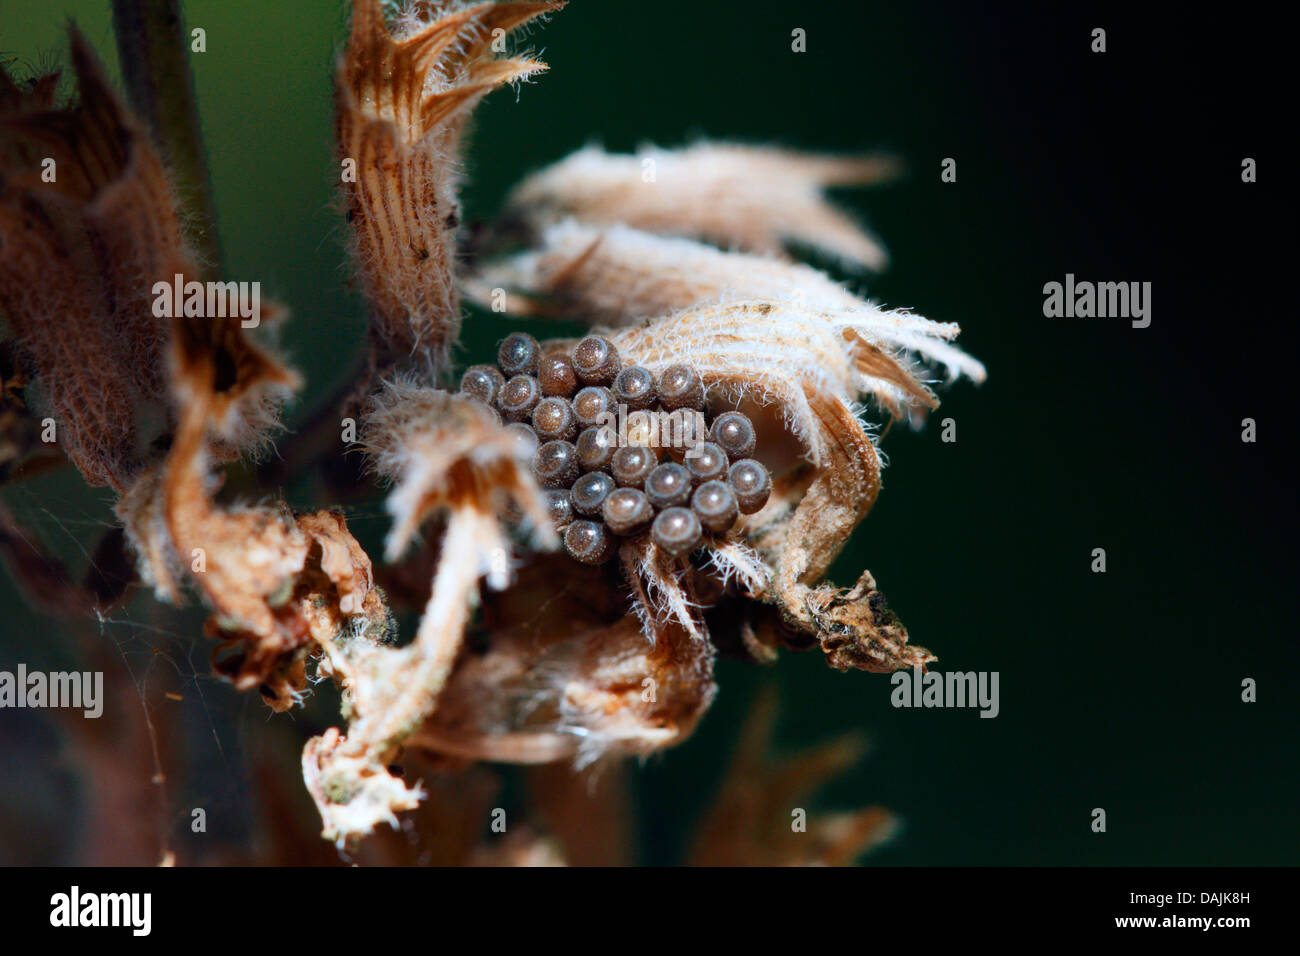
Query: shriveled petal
{"type": "Point", "coordinates": [446, 451]}
{"type": "Point", "coordinates": [616, 276]}
{"type": "Point", "coordinates": [776, 353]}
{"type": "Point", "coordinates": [751, 198]}
{"type": "Point", "coordinates": [404, 94]}
{"type": "Point", "coordinates": [547, 693]}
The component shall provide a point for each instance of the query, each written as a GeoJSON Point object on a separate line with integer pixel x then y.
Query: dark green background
{"type": "Point", "coordinates": [1120, 690]}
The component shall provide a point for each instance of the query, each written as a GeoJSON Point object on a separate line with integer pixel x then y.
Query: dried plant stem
{"type": "Point", "coordinates": [151, 44]}
{"type": "Point", "coordinates": [441, 628]}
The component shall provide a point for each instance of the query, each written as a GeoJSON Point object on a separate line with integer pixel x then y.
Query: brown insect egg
{"type": "Point", "coordinates": [627, 510]}
{"type": "Point", "coordinates": [714, 503]}
{"type": "Point", "coordinates": [559, 506]}
{"type": "Point", "coordinates": [596, 447]}
{"type": "Point", "coordinates": [518, 398]}
{"type": "Point", "coordinates": [591, 403]}
{"type": "Point", "coordinates": [553, 420]}
{"type": "Point", "coordinates": [556, 376]}
{"type": "Point", "coordinates": [596, 361]}
{"type": "Point", "coordinates": [706, 462]}
{"type": "Point", "coordinates": [679, 386]}
{"type": "Point", "coordinates": [668, 485]}
{"type": "Point", "coordinates": [635, 388]}
{"type": "Point", "coordinates": [676, 530]}
{"type": "Point", "coordinates": [518, 354]}
{"type": "Point", "coordinates": [482, 382]}
{"type": "Point", "coordinates": [751, 483]}
{"type": "Point", "coordinates": [590, 491]}
{"type": "Point", "coordinates": [588, 542]}
{"type": "Point", "coordinates": [526, 442]}
{"type": "Point", "coordinates": [555, 464]}
{"type": "Point", "coordinates": [734, 432]}
{"type": "Point", "coordinates": [632, 464]}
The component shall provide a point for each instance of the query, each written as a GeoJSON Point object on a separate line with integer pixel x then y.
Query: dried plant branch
{"type": "Point", "coordinates": [754, 819]}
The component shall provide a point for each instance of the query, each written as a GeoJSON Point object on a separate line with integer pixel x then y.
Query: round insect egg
{"type": "Point", "coordinates": [627, 510]}
{"type": "Point", "coordinates": [556, 376]}
{"type": "Point", "coordinates": [591, 403]}
{"type": "Point", "coordinates": [518, 398]}
{"type": "Point", "coordinates": [632, 464]}
{"type": "Point", "coordinates": [714, 503]}
{"type": "Point", "coordinates": [734, 432]}
{"type": "Point", "coordinates": [751, 483]}
{"type": "Point", "coordinates": [596, 447]}
{"type": "Point", "coordinates": [555, 464]}
{"type": "Point", "coordinates": [518, 354]}
{"type": "Point", "coordinates": [553, 419]}
{"type": "Point", "coordinates": [590, 491]}
{"type": "Point", "coordinates": [706, 462]}
{"type": "Point", "coordinates": [676, 530]}
{"type": "Point", "coordinates": [668, 485]}
{"type": "Point", "coordinates": [679, 386]}
{"type": "Point", "coordinates": [588, 542]}
{"type": "Point", "coordinates": [482, 382]}
{"type": "Point", "coordinates": [635, 388]}
{"type": "Point", "coordinates": [596, 361]}
{"type": "Point", "coordinates": [559, 506]}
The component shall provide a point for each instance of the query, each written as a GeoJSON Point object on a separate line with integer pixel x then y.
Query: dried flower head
{"type": "Point", "coordinates": [678, 481]}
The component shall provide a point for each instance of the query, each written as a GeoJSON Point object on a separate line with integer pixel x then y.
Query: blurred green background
{"type": "Point", "coordinates": [1119, 691]}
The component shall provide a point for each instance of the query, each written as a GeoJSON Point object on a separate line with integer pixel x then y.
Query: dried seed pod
{"type": "Point", "coordinates": [635, 388]}
{"type": "Point", "coordinates": [627, 510]}
{"type": "Point", "coordinates": [714, 503]}
{"type": "Point", "coordinates": [734, 432]}
{"type": "Point", "coordinates": [588, 542]}
{"type": "Point", "coordinates": [554, 421]}
{"type": "Point", "coordinates": [669, 485]}
{"type": "Point", "coordinates": [559, 506]}
{"type": "Point", "coordinates": [519, 354]}
{"type": "Point", "coordinates": [751, 483]}
{"type": "Point", "coordinates": [555, 464]}
{"type": "Point", "coordinates": [591, 403]}
{"type": "Point", "coordinates": [707, 462]}
{"type": "Point", "coordinates": [483, 382]}
{"type": "Point", "coordinates": [596, 361]}
{"type": "Point", "coordinates": [676, 531]}
{"type": "Point", "coordinates": [526, 440]}
{"type": "Point", "coordinates": [518, 398]}
{"type": "Point", "coordinates": [680, 386]}
{"type": "Point", "coordinates": [556, 375]}
{"type": "Point", "coordinates": [590, 491]}
{"type": "Point", "coordinates": [596, 447]}
{"type": "Point", "coordinates": [632, 464]}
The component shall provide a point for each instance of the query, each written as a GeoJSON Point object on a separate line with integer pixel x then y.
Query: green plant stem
{"type": "Point", "coordinates": [153, 48]}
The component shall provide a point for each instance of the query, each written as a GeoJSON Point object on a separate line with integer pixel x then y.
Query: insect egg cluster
{"type": "Point", "coordinates": [604, 482]}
